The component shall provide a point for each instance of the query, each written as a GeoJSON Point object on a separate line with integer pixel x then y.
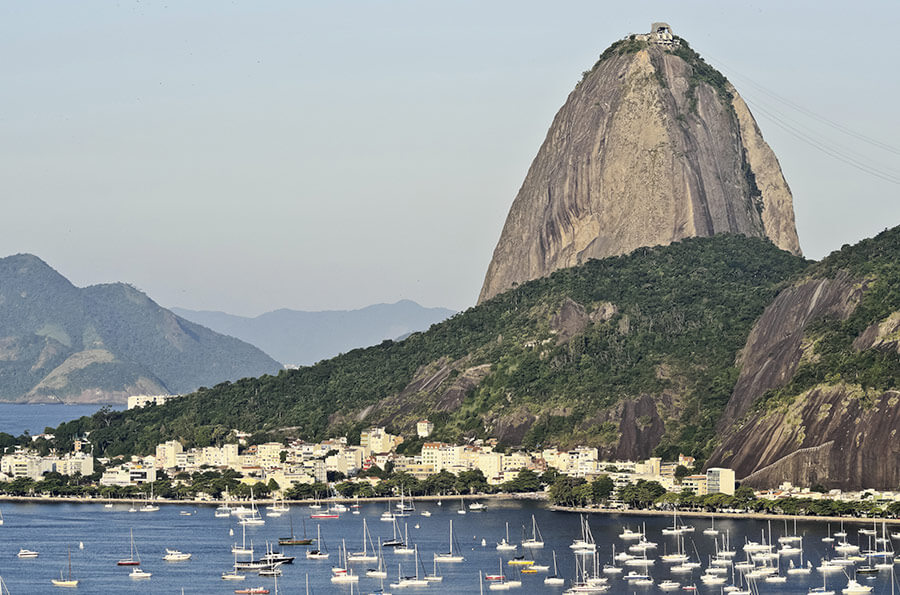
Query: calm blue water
{"type": "Point", "coordinates": [50, 528]}
{"type": "Point", "coordinates": [15, 418]}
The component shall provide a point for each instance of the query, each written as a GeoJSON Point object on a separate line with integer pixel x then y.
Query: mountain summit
{"type": "Point", "coordinates": [652, 146]}
{"type": "Point", "coordinates": [62, 343]}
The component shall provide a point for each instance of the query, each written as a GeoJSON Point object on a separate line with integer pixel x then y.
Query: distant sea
{"type": "Point", "coordinates": [15, 418]}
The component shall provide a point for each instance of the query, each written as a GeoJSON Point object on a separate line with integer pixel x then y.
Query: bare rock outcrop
{"type": "Point", "coordinates": [644, 152]}
{"type": "Point", "coordinates": [837, 436]}
{"type": "Point", "coordinates": [774, 348]}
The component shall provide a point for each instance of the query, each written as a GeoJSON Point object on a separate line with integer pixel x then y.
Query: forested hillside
{"type": "Point", "coordinates": [633, 354]}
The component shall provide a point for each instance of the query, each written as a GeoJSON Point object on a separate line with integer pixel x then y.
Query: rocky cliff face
{"type": "Point", "coordinates": [818, 396]}
{"type": "Point", "coordinates": [651, 147]}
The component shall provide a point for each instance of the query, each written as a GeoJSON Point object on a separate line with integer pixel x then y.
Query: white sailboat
{"type": "Point", "coordinates": [505, 545]}
{"type": "Point", "coordinates": [554, 579]}
{"type": "Point", "coordinates": [536, 540]}
{"type": "Point", "coordinates": [343, 573]}
{"type": "Point", "coordinates": [405, 547]}
{"type": "Point", "coordinates": [253, 517]}
{"type": "Point", "coordinates": [449, 556]}
{"type": "Point", "coordinates": [378, 572]}
{"type": "Point", "coordinates": [243, 549]}
{"type": "Point", "coordinates": [277, 508]}
{"type": "Point", "coordinates": [435, 576]}
{"type": "Point", "coordinates": [364, 556]}
{"type": "Point", "coordinates": [149, 506]}
{"type": "Point", "coordinates": [409, 581]}
{"type": "Point", "coordinates": [322, 552]}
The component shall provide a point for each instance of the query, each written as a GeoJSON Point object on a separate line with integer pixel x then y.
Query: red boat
{"type": "Point", "coordinates": [252, 590]}
{"type": "Point", "coordinates": [494, 577]}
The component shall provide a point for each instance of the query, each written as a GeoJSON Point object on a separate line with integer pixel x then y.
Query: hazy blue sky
{"type": "Point", "coordinates": [248, 156]}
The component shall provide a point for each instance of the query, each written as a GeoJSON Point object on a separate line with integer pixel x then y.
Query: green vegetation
{"type": "Point", "coordinates": [629, 45]}
{"type": "Point", "coordinates": [833, 360]}
{"type": "Point", "coordinates": [681, 313]}
{"type": "Point", "coordinates": [701, 72]}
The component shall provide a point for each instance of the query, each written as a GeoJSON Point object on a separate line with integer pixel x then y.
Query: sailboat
{"type": "Point", "coordinates": [409, 581]}
{"type": "Point", "coordinates": [149, 506]}
{"type": "Point", "coordinates": [243, 549]}
{"type": "Point", "coordinates": [364, 556]}
{"type": "Point", "coordinates": [277, 508]}
{"type": "Point", "coordinates": [404, 548]}
{"type": "Point", "coordinates": [586, 543]}
{"type": "Point", "coordinates": [133, 559]}
{"type": "Point", "coordinates": [378, 572]}
{"type": "Point", "coordinates": [449, 556]}
{"type": "Point", "coordinates": [295, 540]}
{"type": "Point", "coordinates": [68, 581]}
{"type": "Point", "coordinates": [537, 540]}
{"type": "Point", "coordinates": [712, 528]}
{"type": "Point", "coordinates": [435, 576]}
{"type": "Point", "coordinates": [322, 552]}
{"type": "Point", "coordinates": [253, 518]}
{"type": "Point", "coordinates": [395, 540]}
{"type": "Point", "coordinates": [462, 506]}
{"type": "Point", "coordinates": [343, 573]}
{"type": "Point", "coordinates": [554, 579]}
{"type": "Point", "coordinates": [234, 575]}
{"type": "Point", "coordinates": [1, 517]}
{"type": "Point", "coordinates": [504, 544]}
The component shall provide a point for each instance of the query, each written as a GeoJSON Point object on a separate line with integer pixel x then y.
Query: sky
{"type": "Point", "coordinates": [249, 156]}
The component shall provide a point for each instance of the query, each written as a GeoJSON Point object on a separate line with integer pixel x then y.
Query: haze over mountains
{"type": "Point", "coordinates": [301, 338]}
{"type": "Point", "coordinates": [102, 343]}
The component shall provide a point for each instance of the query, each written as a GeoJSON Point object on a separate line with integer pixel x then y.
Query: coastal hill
{"type": "Point", "coordinates": [633, 354]}
{"type": "Point", "coordinates": [303, 338]}
{"type": "Point", "coordinates": [103, 343]}
{"type": "Point", "coordinates": [725, 348]}
{"type": "Point", "coordinates": [652, 146]}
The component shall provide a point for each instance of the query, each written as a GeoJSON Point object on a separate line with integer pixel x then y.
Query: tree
{"type": "Point", "coordinates": [525, 481]}
{"type": "Point", "coordinates": [601, 489]}
{"type": "Point", "coordinates": [562, 492]}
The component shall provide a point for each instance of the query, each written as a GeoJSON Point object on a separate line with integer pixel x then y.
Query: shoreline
{"type": "Point", "coordinates": [528, 496]}
{"type": "Point", "coordinates": [724, 515]}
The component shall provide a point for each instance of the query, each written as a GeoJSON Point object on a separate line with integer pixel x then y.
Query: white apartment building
{"type": "Point", "coordinates": [424, 428]}
{"type": "Point", "coordinates": [167, 454]}
{"type": "Point", "coordinates": [144, 400]}
{"type": "Point", "coordinates": [720, 481]}
{"type": "Point", "coordinates": [34, 466]}
{"type": "Point", "coordinates": [378, 440]}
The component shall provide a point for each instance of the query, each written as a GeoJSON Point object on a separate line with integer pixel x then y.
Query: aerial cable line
{"type": "Point", "coordinates": [824, 148]}
{"type": "Point", "coordinates": [814, 134]}
{"type": "Point", "coordinates": [836, 125]}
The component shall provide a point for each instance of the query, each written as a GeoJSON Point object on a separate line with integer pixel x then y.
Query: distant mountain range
{"type": "Point", "coordinates": [102, 343]}
{"type": "Point", "coordinates": [302, 338]}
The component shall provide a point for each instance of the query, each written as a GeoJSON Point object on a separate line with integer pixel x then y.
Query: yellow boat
{"type": "Point", "coordinates": [528, 571]}
{"type": "Point", "coordinates": [520, 562]}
